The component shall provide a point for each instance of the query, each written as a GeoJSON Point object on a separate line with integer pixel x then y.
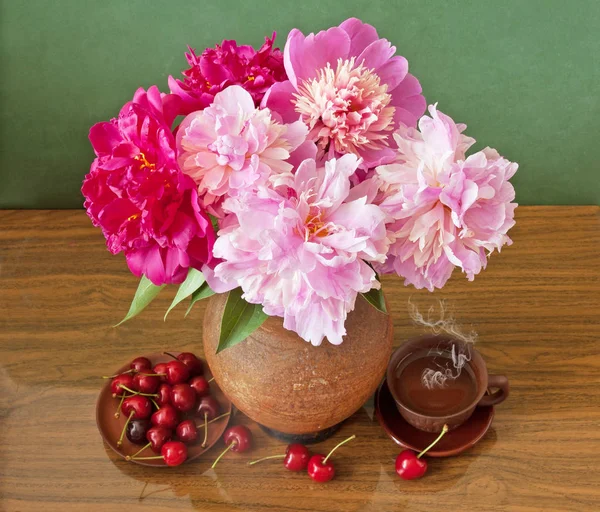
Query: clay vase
{"type": "Point", "coordinates": [286, 384]}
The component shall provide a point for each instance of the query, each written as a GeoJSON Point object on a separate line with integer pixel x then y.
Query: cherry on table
{"type": "Point", "coordinates": [163, 394]}
{"type": "Point", "coordinates": [136, 431]}
{"type": "Point", "coordinates": [166, 416]}
{"type": "Point", "coordinates": [319, 467]}
{"type": "Point", "coordinates": [177, 372]}
{"type": "Point", "coordinates": [145, 383]}
{"type": "Point", "coordinates": [295, 458]}
{"type": "Point", "coordinates": [200, 385]}
{"type": "Point", "coordinates": [186, 431]}
{"type": "Point", "coordinates": [194, 364]}
{"type": "Point", "coordinates": [140, 364]}
{"type": "Point", "coordinates": [238, 439]}
{"type": "Point", "coordinates": [409, 465]}
{"type": "Point", "coordinates": [183, 397]}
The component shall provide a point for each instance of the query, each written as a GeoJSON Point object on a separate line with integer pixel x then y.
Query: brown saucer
{"type": "Point", "coordinates": [110, 427]}
{"type": "Point", "coordinates": [454, 442]}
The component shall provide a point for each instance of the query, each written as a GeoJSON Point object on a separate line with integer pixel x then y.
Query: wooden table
{"type": "Point", "coordinates": [536, 309]}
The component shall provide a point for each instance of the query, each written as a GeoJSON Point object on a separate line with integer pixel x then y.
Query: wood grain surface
{"type": "Point", "coordinates": [536, 309]}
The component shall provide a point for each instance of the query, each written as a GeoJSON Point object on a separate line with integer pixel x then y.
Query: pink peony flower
{"type": "Point", "coordinates": [232, 146]}
{"type": "Point", "coordinates": [449, 210]}
{"type": "Point", "coordinates": [349, 89]}
{"type": "Point", "coordinates": [136, 193]}
{"type": "Point", "coordinates": [228, 64]}
{"type": "Point", "coordinates": [301, 252]}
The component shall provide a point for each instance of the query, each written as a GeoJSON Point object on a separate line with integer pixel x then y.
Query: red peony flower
{"type": "Point", "coordinates": [137, 194]}
{"type": "Point", "coordinates": [228, 64]}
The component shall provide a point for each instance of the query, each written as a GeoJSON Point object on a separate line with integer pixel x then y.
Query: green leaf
{"type": "Point", "coordinates": [193, 281]}
{"type": "Point", "coordinates": [240, 319]}
{"type": "Point", "coordinates": [375, 298]}
{"type": "Point", "coordinates": [144, 295]}
{"type": "Point", "coordinates": [201, 293]}
{"type": "Point", "coordinates": [215, 222]}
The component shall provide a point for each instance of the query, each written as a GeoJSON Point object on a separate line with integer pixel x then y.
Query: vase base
{"type": "Point", "coordinates": [310, 438]}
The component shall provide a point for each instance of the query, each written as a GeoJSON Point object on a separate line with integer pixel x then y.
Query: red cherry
{"type": "Point", "coordinates": [145, 383]}
{"type": "Point", "coordinates": [140, 406]}
{"type": "Point", "coordinates": [157, 436]}
{"type": "Point", "coordinates": [141, 364]}
{"type": "Point", "coordinates": [319, 470]}
{"type": "Point", "coordinates": [177, 372]}
{"type": "Point", "coordinates": [319, 467]}
{"type": "Point", "coordinates": [409, 466]}
{"type": "Point", "coordinates": [191, 361]}
{"type": "Point", "coordinates": [174, 453]}
{"type": "Point", "coordinates": [164, 395]}
{"type": "Point", "coordinates": [200, 385]}
{"type": "Point", "coordinates": [296, 457]}
{"type": "Point", "coordinates": [161, 369]}
{"type": "Point", "coordinates": [183, 397]}
{"type": "Point", "coordinates": [208, 405]}
{"type": "Point", "coordinates": [187, 431]}
{"type": "Point", "coordinates": [166, 416]}
{"type": "Point", "coordinates": [124, 379]}
{"type": "Point", "coordinates": [237, 438]}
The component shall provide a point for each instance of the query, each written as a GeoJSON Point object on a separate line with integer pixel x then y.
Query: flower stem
{"type": "Point", "coordinates": [266, 458]}
{"type": "Point", "coordinates": [442, 433]}
{"type": "Point", "coordinates": [336, 447]}
{"type": "Point", "coordinates": [231, 445]}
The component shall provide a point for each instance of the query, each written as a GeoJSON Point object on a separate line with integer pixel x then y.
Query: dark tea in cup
{"type": "Point", "coordinates": [438, 380]}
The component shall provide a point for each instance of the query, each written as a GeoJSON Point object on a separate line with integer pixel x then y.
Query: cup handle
{"type": "Point", "coordinates": [501, 383]}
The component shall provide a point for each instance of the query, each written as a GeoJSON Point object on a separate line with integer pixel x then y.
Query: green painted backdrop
{"type": "Point", "coordinates": [523, 74]}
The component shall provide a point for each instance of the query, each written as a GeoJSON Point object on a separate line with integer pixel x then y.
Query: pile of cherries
{"type": "Point", "coordinates": [163, 404]}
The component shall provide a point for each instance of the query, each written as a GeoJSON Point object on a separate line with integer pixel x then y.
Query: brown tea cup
{"type": "Point", "coordinates": [482, 382]}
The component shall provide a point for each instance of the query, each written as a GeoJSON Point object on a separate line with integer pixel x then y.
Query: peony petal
{"type": "Point", "coordinates": [234, 100]}
{"type": "Point", "coordinates": [279, 98]}
{"type": "Point", "coordinates": [361, 35]}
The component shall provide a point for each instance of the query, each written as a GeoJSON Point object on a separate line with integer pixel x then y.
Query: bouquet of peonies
{"type": "Point", "coordinates": [289, 180]}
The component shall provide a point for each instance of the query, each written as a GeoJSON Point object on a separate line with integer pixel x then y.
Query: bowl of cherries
{"type": "Point", "coordinates": [162, 409]}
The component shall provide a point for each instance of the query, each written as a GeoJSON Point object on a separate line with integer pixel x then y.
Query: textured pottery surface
{"type": "Point", "coordinates": [286, 384]}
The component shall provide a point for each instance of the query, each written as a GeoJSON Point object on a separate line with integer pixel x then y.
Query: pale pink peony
{"type": "Point", "coordinates": [232, 146]}
{"type": "Point", "coordinates": [301, 252]}
{"type": "Point", "coordinates": [449, 210]}
{"type": "Point", "coordinates": [349, 89]}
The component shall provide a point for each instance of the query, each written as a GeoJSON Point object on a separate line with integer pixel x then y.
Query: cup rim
{"type": "Point", "coordinates": [476, 358]}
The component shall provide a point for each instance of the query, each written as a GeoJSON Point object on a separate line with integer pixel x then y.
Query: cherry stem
{"type": "Point", "coordinates": [442, 433]}
{"type": "Point", "coordinates": [148, 458]}
{"type": "Point", "coordinates": [136, 392]}
{"type": "Point", "coordinates": [113, 376]}
{"type": "Point", "coordinates": [211, 379]}
{"type": "Point", "coordinates": [170, 355]}
{"type": "Point", "coordinates": [153, 374]}
{"type": "Point", "coordinates": [336, 447]}
{"type": "Point", "coordinates": [205, 430]}
{"type": "Point", "coordinates": [118, 412]}
{"type": "Point", "coordinates": [129, 457]}
{"type": "Point", "coordinates": [266, 458]}
{"type": "Point", "coordinates": [154, 402]}
{"type": "Point", "coordinates": [120, 441]}
{"type": "Point", "coordinates": [213, 420]}
{"type": "Point", "coordinates": [231, 445]}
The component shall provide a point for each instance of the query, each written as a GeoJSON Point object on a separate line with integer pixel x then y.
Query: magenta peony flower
{"type": "Point", "coordinates": [136, 193]}
{"type": "Point", "coordinates": [228, 64]}
{"type": "Point", "coordinates": [301, 252]}
{"type": "Point", "coordinates": [232, 146]}
{"type": "Point", "coordinates": [349, 89]}
{"type": "Point", "coordinates": [449, 210]}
